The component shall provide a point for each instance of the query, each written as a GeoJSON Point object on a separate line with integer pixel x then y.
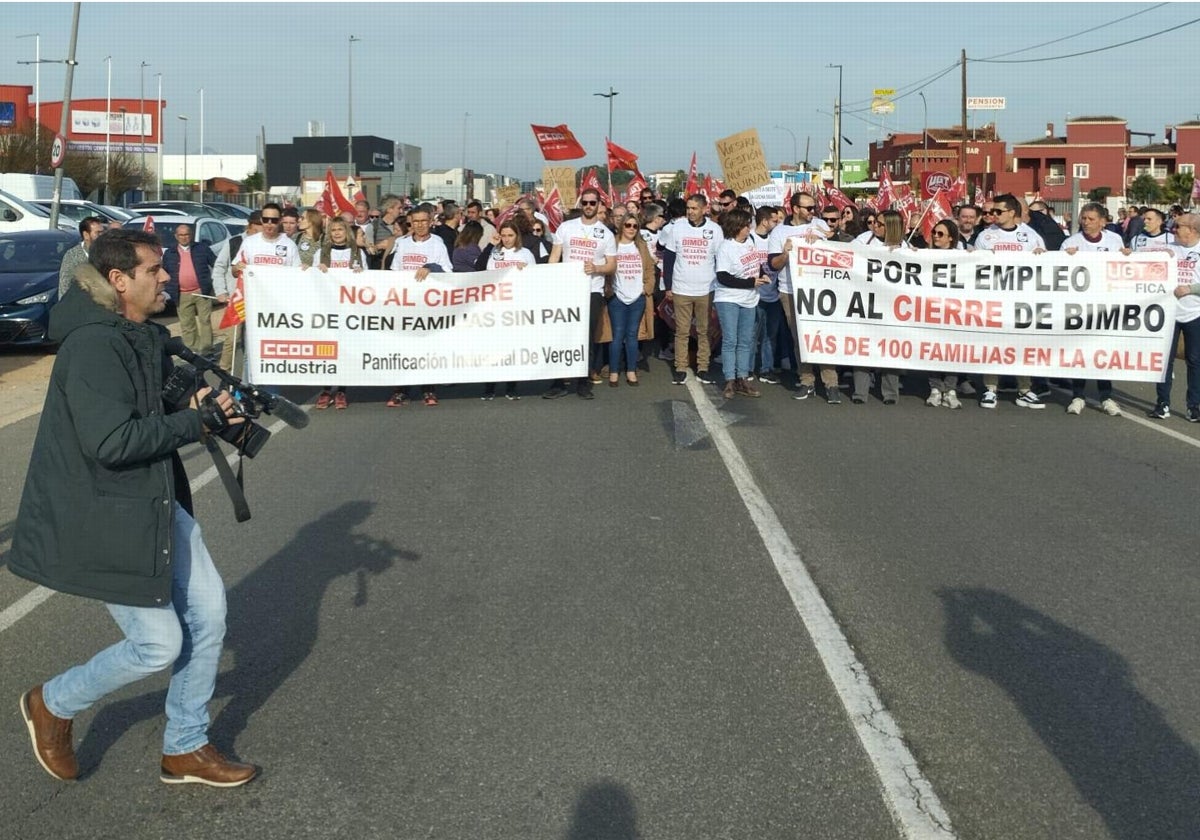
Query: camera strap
{"type": "Point", "coordinates": [233, 484]}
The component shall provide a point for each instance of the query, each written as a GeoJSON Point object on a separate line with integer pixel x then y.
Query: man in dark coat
{"type": "Point", "coordinates": [105, 513]}
{"type": "Point", "coordinates": [190, 267]}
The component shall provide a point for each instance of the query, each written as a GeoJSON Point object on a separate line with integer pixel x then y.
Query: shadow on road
{"type": "Point", "coordinates": [1081, 700]}
{"type": "Point", "coordinates": [604, 811]}
{"type": "Point", "coordinates": [273, 625]}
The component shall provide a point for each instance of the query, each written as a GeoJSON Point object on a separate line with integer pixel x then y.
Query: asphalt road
{"type": "Point", "coordinates": [558, 620]}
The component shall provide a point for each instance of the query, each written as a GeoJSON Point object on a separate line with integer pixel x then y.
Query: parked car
{"type": "Point", "coordinates": [212, 231]}
{"type": "Point", "coordinates": [29, 262]}
{"type": "Point", "coordinates": [191, 208]}
{"type": "Point", "coordinates": [234, 211]}
{"type": "Point", "coordinates": [18, 214]}
{"type": "Point", "coordinates": [27, 186]}
{"type": "Point", "coordinates": [77, 211]}
{"type": "Point", "coordinates": [115, 212]}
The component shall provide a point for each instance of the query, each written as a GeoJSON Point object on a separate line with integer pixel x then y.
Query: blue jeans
{"type": "Point", "coordinates": [187, 633]}
{"type": "Point", "coordinates": [625, 318]}
{"type": "Point", "coordinates": [1191, 355]}
{"type": "Point", "coordinates": [737, 338]}
{"type": "Point", "coordinates": [768, 323]}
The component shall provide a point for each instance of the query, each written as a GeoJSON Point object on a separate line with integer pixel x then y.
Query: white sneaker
{"type": "Point", "coordinates": [935, 398]}
{"type": "Point", "coordinates": [988, 400]}
{"type": "Point", "coordinates": [950, 400]}
{"type": "Point", "coordinates": [1110, 407]}
{"type": "Point", "coordinates": [1029, 400]}
{"type": "Point", "coordinates": [1076, 406]}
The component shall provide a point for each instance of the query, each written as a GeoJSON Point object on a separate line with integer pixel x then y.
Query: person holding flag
{"type": "Point", "coordinates": [226, 286]}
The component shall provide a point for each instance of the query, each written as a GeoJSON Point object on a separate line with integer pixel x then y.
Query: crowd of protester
{"type": "Point", "coordinates": [659, 270]}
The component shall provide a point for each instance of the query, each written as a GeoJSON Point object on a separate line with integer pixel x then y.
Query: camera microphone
{"type": "Point", "coordinates": [271, 403]}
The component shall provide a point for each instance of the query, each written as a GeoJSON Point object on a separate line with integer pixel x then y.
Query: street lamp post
{"type": "Point", "coordinates": [837, 132]}
{"type": "Point", "coordinates": [201, 145]}
{"type": "Point", "coordinates": [924, 132]}
{"type": "Point", "coordinates": [185, 149]}
{"type": "Point", "coordinates": [107, 129]}
{"type": "Point", "coordinates": [795, 145]}
{"type": "Point", "coordinates": [610, 96]}
{"type": "Point", "coordinates": [466, 115]}
{"type": "Point", "coordinates": [161, 141]}
{"type": "Point", "coordinates": [350, 105]}
{"type": "Point", "coordinates": [142, 124]}
{"type": "Point", "coordinates": [37, 95]}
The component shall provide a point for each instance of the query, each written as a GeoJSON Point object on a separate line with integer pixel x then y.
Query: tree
{"type": "Point", "coordinates": [1098, 194]}
{"type": "Point", "coordinates": [19, 151]}
{"type": "Point", "coordinates": [1178, 189]}
{"type": "Point", "coordinates": [253, 182]}
{"type": "Point", "coordinates": [1144, 190]}
{"type": "Point", "coordinates": [675, 188]}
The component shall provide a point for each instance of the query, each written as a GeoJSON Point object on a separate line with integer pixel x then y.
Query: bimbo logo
{"type": "Point", "coordinates": [824, 257]}
{"type": "Point", "coordinates": [297, 349]}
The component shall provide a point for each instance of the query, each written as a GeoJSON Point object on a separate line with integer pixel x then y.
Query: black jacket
{"type": "Point", "coordinates": [97, 510]}
{"type": "Point", "coordinates": [202, 260]}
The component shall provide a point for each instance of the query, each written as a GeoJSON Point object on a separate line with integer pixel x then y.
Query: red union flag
{"type": "Point", "coordinates": [148, 225]}
{"type": "Point", "coordinates": [958, 192]}
{"type": "Point", "coordinates": [887, 193]}
{"type": "Point", "coordinates": [932, 182]}
{"type": "Point", "coordinates": [235, 309]}
{"type": "Point", "coordinates": [838, 198]}
{"type": "Point", "coordinates": [636, 187]}
{"type": "Point", "coordinates": [938, 209]}
{"type": "Point", "coordinates": [592, 182]}
{"type": "Point", "coordinates": [557, 142]}
{"type": "Point", "coordinates": [619, 158]}
{"type": "Point", "coordinates": [553, 209]}
{"type": "Point", "coordinates": [692, 186]}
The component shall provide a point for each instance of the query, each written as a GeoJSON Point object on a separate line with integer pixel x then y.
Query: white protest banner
{"type": "Point", "coordinates": [386, 328]}
{"type": "Point", "coordinates": [1085, 316]}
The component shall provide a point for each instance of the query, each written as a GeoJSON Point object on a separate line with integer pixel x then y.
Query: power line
{"type": "Point", "coordinates": [932, 77]}
{"type": "Point", "coordinates": [924, 83]}
{"type": "Point", "coordinates": [1085, 52]}
{"type": "Point", "coordinates": [1076, 35]}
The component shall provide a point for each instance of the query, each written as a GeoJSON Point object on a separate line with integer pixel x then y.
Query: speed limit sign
{"type": "Point", "coordinates": [58, 151]}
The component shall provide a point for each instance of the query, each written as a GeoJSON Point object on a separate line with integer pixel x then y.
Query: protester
{"type": "Point", "coordinates": [466, 249]}
{"type": "Point", "coordinates": [694, 270]}
{"type": "Point", "coordinates": [768, 320]}
{"type": "Point", "coordinates": [339, 251]}
{"type": "Point", "coordinates": [739, 272]}
{"type": "Point", "coordinates": [89, 229]}
{"type": "Point", "coordinates": [106, 514]}
{"type": "Point", "coordinates": [504, 251]}
{"type": "Point", "coordinates": [1187, 321]}
{"type": "Point", "coordinates": [422, 253]}
{"type": "Point", "coordinates": [632, 284]}
{"type": "Point", "coordinates": [311, 238]}
{"type": "Point", "coordinates": [290, 223]}
{"type": "Point", "coordinates": [943, 387]}
{"type": "Point", "coordinates": [189, 265]}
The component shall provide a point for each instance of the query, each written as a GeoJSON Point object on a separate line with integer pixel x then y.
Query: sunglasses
{"type": "Point", "coordinates": [832, 218]}
{"type": "Point", "coordinates": [373, 216]}
{"type": "Point", "coordinates": [538, 230]}
{"type": "Point", "coordinates": [588, 203]}
{"type": "Point", "coordinates": [938, 234]}
{"type": "Point", "coordinates": [631, 226]}
{"type": "Point", "coordinates": [271, 220]}
{"type": "Point", "coordinates": [809, 207]}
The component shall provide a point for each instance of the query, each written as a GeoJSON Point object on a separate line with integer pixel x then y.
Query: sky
{"type": "Point", "coordinates": [686, 74]}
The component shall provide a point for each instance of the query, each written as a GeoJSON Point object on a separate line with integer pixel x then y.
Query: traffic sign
{"type": "Point", "coordinates": [58, 151]}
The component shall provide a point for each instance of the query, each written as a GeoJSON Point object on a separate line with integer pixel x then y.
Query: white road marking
{"type": "Point", "coordinates": [909, 796]}
{"type": "Point", "coordinates": [30, 601]}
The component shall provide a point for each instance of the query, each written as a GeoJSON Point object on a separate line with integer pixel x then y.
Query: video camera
{"type": "Point", "coordinates": [250, 401]}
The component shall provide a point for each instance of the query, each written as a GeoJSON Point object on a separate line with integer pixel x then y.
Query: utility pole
{"type": "Point", "coordinates": [962, 146]}
{"type": "Point", "coordinates": [610, 96]}
{"type": "Point", "coordinates": [837, 132]}
{"type": "Point", "coordinates": [37, 97]}
{"type": "Point", "coordinates": [350, 106]}
{"type": "Point", "coordinates": [142, 127]}
{"type": "Point", "coordinates": [66, 108]}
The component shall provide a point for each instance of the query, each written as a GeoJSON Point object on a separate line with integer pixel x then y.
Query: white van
{"type": "Point", "coordinates": [32, 187]}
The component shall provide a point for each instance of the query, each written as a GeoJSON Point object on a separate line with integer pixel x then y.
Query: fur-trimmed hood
{"type": "Point", "coordinates": [90, 299]}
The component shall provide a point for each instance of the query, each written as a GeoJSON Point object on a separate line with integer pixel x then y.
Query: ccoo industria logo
{"type": "Point", "coordinates": [297, 349]}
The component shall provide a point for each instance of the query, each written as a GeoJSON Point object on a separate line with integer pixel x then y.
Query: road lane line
{"type": "Point", "coordinates": [915, 807]}
{"type": "Point", "coordinates": [30, 601]}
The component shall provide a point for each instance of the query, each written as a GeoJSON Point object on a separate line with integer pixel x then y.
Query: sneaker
{"type": "Point", "coordinates": [730, 390]}
{"type": "Point", "coordinates": [339, 401]}
{"type": "Point", "coordinates": [746, 388]}
{"type": "Point", "coordinates": [1161, 412]}
{"type": "Point", "coordinates": [488, 396]}
{"type": "Point", "coordinates": [1193, 414]}
{"type": "Point", "coordinates": [666, 354]}
{"type": "Point", "coordinates": [511, 395]}
{"type": "Point", "coordinates": [950, 400]}
{"type": "Point", "coordinates": [595, 378]}
{"type": "Point", "coordinates": [584, 392]}
{"type": "Point", "coordinates": [833, 396]}
{"type": "Point", "coordinates": [705, 377]}
{"type": "Point", "coordinates": [429, 398]}
{"type": "Point", "coordinates": [1076, 406]}
{"type": "Point", "coordinates": [935, 398]}
{"type": "Point", "coordinates": [771, 377]}
{"type": "Point", "coordinates": [323, 400]}
{"type": "Point", "coordinates": [967, 388]}
{"type": "Point", "coordinates": [1029, 400]}
{"type": "Point", "coordinates": [555, 392]}
{"type": "Point", "coordinates": [398, 399]}
{"type": "Point", "coordinates": [679, 377]}
{"type": "Point", "coordinates": [205, 766]}
{"type": "Point", "coordinates": [988, 400]}
{"type": "Point", "coordinates": [858, 399]}
{"type": "Point", "coordinates": [803, 392]}
{"type": "Point", "coordinates": [1110, 407]}
{"type": "Point", "coordinates": [50, 735]}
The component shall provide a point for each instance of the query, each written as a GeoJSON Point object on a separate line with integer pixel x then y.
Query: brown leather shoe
{"type": "Point", "coordinates": [745, 389]}
{"type": "Point", "coordinates": [205, 766]}
{"type": "Point", "coordinates": [730, 390]}
{"type": "Point", "coordinates": [51, 737]}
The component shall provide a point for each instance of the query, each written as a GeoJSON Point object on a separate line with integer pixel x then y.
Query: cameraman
{"type": "Point", "coordinates": [106, 513]}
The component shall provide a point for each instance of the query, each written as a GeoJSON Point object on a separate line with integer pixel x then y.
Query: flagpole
{"type": "Point", "coordinates": [921, 218]}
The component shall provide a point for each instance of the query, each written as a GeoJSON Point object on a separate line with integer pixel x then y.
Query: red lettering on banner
{"type": "Point", "coordinates": [486, 293]}
{"type": "Point", "coordinates": [1136, 272]}
{"type": "Point", "coordinates": [951, 311]}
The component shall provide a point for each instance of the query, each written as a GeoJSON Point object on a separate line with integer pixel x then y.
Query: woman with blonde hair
{"type": "Point", "coordinates": [632, 283]}
{"type": "Point", "coordinates": [312, 233]}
